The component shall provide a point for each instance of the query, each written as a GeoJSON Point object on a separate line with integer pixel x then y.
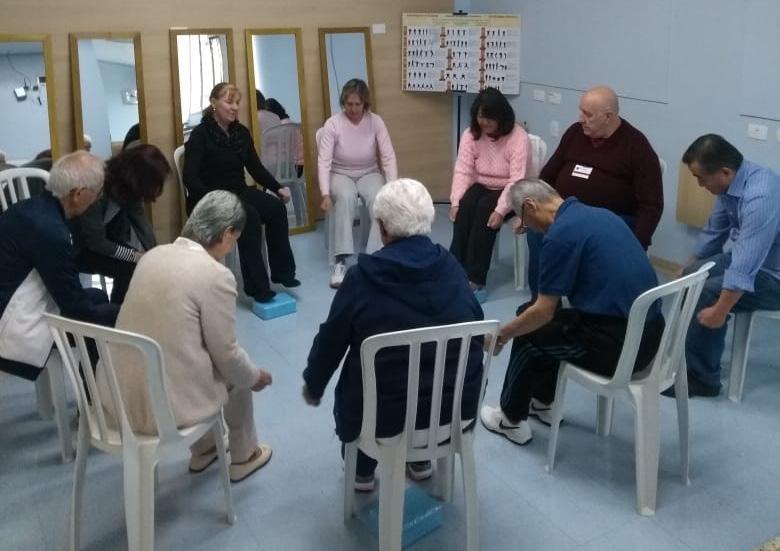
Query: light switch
{"type": "Point", "coordinates": [778, 134]}
{"type": "Point", "coordinates": [554, 97]}
{"type": "Point", "coordinates": [539, 95]}
{"type": "Point", "coordinates": [554, 129]}
{"type": "Point", "coordinates": [757, 131]}
{"type": "Point", "coordinates": [378, 28]}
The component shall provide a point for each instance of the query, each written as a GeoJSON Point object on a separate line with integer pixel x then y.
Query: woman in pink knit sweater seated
{"type": "Point", "coordinates": [347, 147]}
{"type": "Point", "coordinates": [493, 155]}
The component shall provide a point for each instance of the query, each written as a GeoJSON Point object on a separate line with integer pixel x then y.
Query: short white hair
{"type": "Point", "coordinates": [2, 156]}
{"type": "Point", "coordinates": [405, 208]}
{"type": "Point", "coordinates": [73, 171]}
{"type": "Point", "coordinates": [217, 211]}
{"type": "Point", "coordinates": [531, 188]}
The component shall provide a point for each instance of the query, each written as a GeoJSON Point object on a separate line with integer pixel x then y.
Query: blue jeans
{"type": "Point", "coordinates": [704, 346]}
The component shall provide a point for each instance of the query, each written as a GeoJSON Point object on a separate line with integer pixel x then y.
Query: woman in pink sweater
{"type": "Point", "coordinates": [493, 154]}
{"type": "Point", "coordinates": [347, 147]}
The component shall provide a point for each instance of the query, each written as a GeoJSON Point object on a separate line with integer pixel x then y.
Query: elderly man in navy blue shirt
{"type": "Point", "coordinates": [747, 277]}
{"type": "Point", "coordinates": [37, 271]}
{"type": "Point", "coordinates": [591, 256]}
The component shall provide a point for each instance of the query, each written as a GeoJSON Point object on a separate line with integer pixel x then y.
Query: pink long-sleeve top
{"type": "Point", "coordinates": [352, 149]}
{"type": "Point", "coordinates": [496, 164]}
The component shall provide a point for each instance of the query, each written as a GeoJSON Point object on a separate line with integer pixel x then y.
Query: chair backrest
{"type": "Point", "coordinates": [681, 296]}
{"type": "Point", "coordinates": [279, 151]}
{"type": "Point", "coordinates": [537, 155]}
{"type": "Point", "coordinates": [83, 377]}
{"type": "Point", "coordinates": [663, 165]}
{"type": "Point", "coordinates": [178, 162]}
{"type": "Point", "coordinates": [14, 186]}
{"type": "Point", "coordinates": [414, 339]}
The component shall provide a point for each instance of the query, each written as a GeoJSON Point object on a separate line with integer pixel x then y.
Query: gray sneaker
{"type": "Point", "coordinates": [419, 470]}
{"type": "Point", "coordinates": [541, 411]}
{"type": "Point", "coordinates": [364, 483]}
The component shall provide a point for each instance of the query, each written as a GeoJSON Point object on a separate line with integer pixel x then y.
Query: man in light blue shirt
{"type": "Point", "coordinates": [747, 276]}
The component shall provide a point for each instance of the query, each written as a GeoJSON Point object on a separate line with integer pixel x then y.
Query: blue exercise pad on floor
{"type": "Point", "coordinates": [282, 305]}
{"type": "Point", "coordinates": [422, 515]}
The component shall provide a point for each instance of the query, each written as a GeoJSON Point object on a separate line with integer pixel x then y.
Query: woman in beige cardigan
{"type": "Point", "coordinates": [185, 299]}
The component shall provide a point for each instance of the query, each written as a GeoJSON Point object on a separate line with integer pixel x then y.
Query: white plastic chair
{"type": "Point", "coordinates": [642, 389]}
{"type": "Point", "coordinates": [50, 391]}
{"type": "Point", "coordinates": [140, 453]}
{"type": "Point", "coordinates": [440, 444]}
{"type": "Point", "coordinates": [362, 216]}
{"type": "Point", "coordinates": [279, 152]}
{"type": "Point", "coordinates": [743, 328]}
{"type": "Point", "coordinates": [178, 162]}
{"type": "Point", "coordinates": [538, 153]}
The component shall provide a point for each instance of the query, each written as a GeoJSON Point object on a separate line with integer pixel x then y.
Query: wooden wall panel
{"type": "Point", "coordinates": [420, 125]}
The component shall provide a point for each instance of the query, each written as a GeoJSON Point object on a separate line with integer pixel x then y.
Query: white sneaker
{"type": "Point", "coordinates": [540, 410]}
{"type": "Point", "coordinates": [338, 271]}
{"type": "Point", "coordinates": [495, 421]}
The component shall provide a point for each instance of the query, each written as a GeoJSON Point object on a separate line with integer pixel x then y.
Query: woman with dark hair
{"type": "Point", "coordinates": [215, 156]}
{"type": "Point", "coordinates": [110, 237]}
{"type": "Point", "coordinates": [350, 148]}
{"type": "Point", "coordinates": [493, 154]}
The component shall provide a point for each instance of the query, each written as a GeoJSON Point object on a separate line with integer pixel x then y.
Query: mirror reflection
{"type": "Point", "coordinates": [203, 59]}
{"type": "Point", "coordinates": [26, 102]}
{"type": "Point", "coordinates": [276, 82]}
{"type": "Point", "coordinates": [107, 93]}
{"type": "Point", "coordinates": [345, 54]}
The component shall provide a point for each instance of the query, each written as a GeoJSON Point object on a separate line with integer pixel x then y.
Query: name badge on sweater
{"type": "Point", "coordinates": [581, 171]}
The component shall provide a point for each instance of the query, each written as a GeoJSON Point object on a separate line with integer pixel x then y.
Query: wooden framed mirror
{"type": "Point", "coordinates": [277, 99]}
{"type": "Point", "coordinates": [345, 53]}
{"type": "Point", "coordinates": [200, 59]}
{"type": "Point", "coordinates": [27, 101]}
{"type": "Point", "coordinates": [109, 109]}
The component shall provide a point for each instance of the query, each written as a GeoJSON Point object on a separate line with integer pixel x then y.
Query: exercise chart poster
{"type": "Point", "coordinates": [460, 53]}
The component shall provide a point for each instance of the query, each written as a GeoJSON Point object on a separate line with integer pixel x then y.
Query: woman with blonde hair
{"type": "Point", "coordinates": [215, 156]}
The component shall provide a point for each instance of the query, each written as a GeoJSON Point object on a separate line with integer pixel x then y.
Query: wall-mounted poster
{"type": "Point", "coordinates": [460, 53]}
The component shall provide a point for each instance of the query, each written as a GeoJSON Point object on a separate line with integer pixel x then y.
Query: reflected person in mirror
{"type": "Point", "coordinates": [350, 149]}
{"type": "Point", "coordinates": [275, 107]}
{"type": "Point", "coordinates": [215, 156]}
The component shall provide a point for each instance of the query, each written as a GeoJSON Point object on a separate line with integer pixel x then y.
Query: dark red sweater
{"type": "Point", "coordinates": [626, 175]}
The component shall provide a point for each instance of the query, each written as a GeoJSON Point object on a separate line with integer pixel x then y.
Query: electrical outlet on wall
{"type": "Point", "coordinates": [554, 97]}
{"type": "Point", "coordinates": [539, 95]}
{"type": "Point", "coordinates": [757, 131]}
{"type": "Point", "coordinates": [555, 129]}
{"type": "Point", "coordinates": [778, 134]}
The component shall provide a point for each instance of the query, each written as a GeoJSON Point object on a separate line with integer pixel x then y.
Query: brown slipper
{"type": "Point", "coordinates": [261, 456]}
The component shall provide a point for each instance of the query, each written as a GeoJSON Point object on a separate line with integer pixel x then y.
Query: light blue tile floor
{"type": "Point", "coordinates": [295, 503]}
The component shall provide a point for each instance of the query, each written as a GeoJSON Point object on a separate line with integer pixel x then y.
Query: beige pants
{"type": "Point", "coordinates": [242, 435]}
{"type": "Point", "coordinates": [344, 192]}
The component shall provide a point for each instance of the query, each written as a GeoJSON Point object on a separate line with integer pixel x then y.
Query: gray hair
{"type": "Point", "coordinates": [405, 208]}
{"type": "Point", "coordinates": [215, 212]}
{"type": "Point", "coordinates": [2, 156]}
{"type": "Point", "coordinates": [74, 171]}
{"type": "Point", "coordinates": [531, 188]}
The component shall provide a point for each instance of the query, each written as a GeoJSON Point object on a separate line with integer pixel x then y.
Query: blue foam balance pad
{"type": "Point", "coordinates": [281, 305]}
{"type": "Point", "coordinates": [481, 295]}
{"type": "Point", "coordinates": [422, 515]}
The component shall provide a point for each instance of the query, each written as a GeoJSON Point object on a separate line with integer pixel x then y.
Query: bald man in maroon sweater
{"type": "Point", "coordinates": [605, 162]}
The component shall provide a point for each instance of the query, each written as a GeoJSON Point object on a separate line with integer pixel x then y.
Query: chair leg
{"type": "Point", "coordinates": [58, 393]}
{"type": "Point", "coordinates": [470, 492]}
{"type": "Point", "coordinates": [743, 327]}
{"type": "Point", "coordinates": [647, 446]}
{"type": "Point", "coordinates": [80, 467]}
{"type": "Point", "coordinates": [521, 262]}
{"type": "Point", "coordinates": [224, 473]}
{"type": "Point", "coordinates": [445, 474]}
{"type": "Point", "coordinates": [391, 502]}
{"type": "Point", "coordinates": [604, 408]}
{"type": "Point", "coordinates": [139, 469]}
{"type": "Point", "coordinates": [496, 250]}
{"type": "Point", "coordinates": [681, 393]}
{"type": "Point", "coordinates": [43, 395]}
{"type": "Point", "coordinates": [557, 415]}
{"type": "Point", "coordinates": [350, 468]}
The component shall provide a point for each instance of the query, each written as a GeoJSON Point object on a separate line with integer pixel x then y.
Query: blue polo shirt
{"type": "Point", "coordinates": [591, 256]}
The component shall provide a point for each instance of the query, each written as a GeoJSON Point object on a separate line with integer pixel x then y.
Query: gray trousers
{"type": "Point", "coordinates": [344, 192]}
{"type": "Point", "coordinates": [240, 420]}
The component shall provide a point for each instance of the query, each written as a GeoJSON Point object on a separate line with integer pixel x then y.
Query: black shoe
{"type": "Point", "coordinates": [695, 388]}
{"type": "Point", "coordinates": [289, 283]}
{"type": "Point", "coordinates": [264, 296]}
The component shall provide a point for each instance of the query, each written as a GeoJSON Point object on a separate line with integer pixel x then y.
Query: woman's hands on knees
{"type": "Point", "coordinates": [264, 379]}
{"type": "Point", "coordinates": [284, 194]}
{"type": "Point", "coordinates": [453, 213]}
{"type": "Point", "coordinates": [326, 203]}
{"type": "Point", "coordinates": [495, 220]}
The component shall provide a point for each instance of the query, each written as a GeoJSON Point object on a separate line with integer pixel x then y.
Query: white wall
{"type": "Point", "coordinates": [707, 53]}
{"type": "Point", "coordinates": [276, 71]}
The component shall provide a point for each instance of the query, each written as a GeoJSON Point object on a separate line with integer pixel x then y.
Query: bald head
{"type": "Point", "coordinates": [599, 112]}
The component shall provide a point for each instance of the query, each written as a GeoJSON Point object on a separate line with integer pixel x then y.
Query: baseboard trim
{"type": "Point", "coordinates": [666, 267]}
